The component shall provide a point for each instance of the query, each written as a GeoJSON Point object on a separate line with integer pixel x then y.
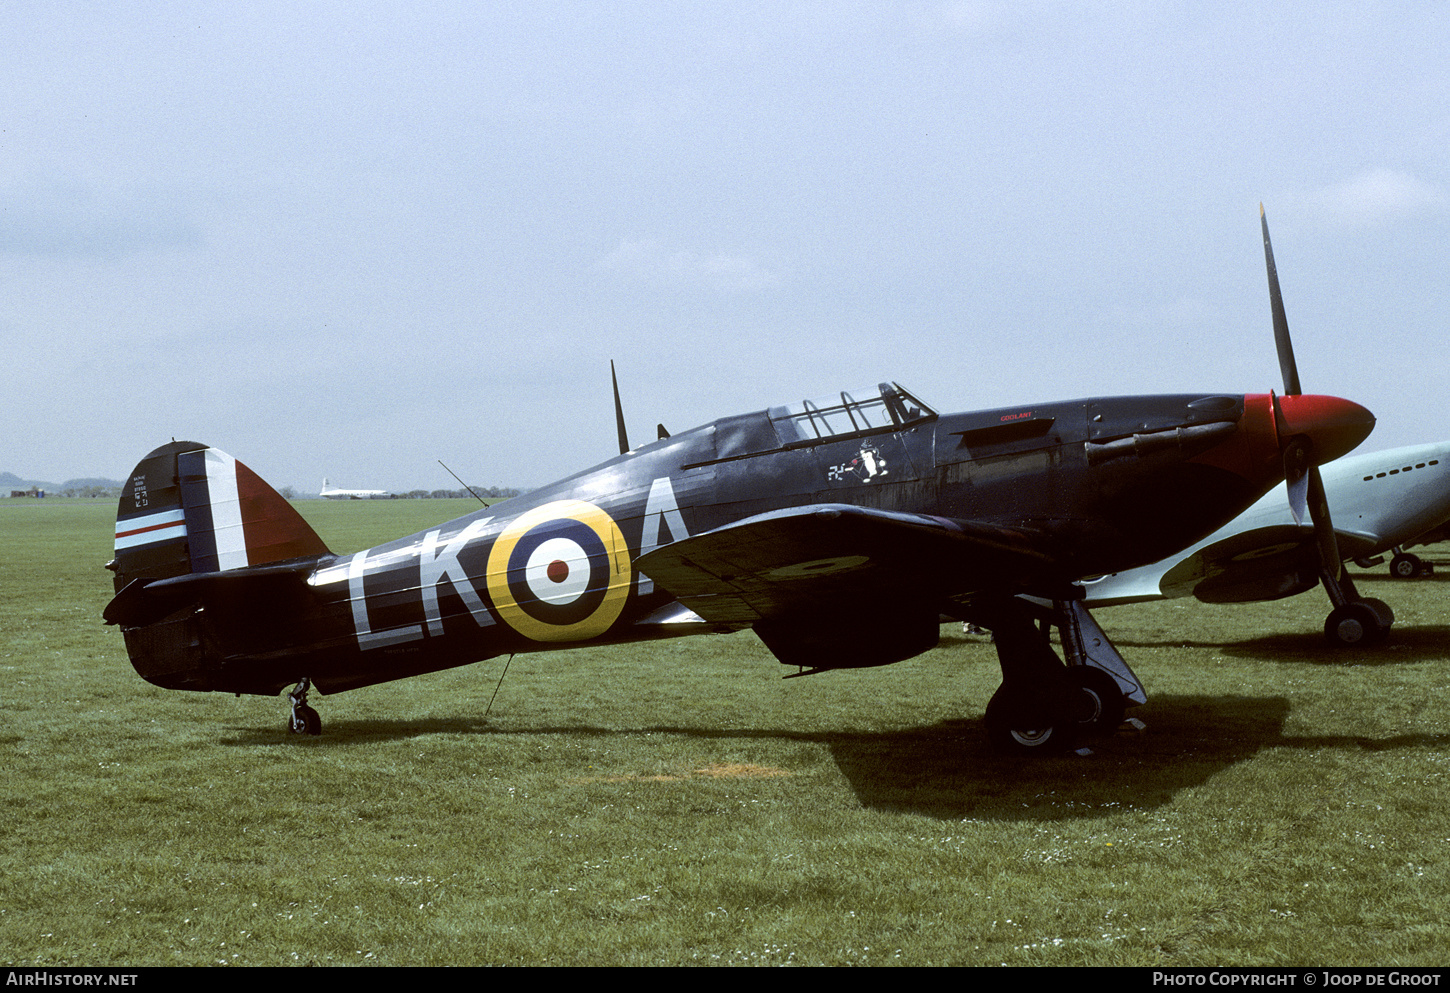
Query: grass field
{"type": "Point", "coordinates": [679, 803]}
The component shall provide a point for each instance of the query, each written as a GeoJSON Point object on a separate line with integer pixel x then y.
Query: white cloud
{"type": "Point", "coordinates": [649, 260]}
{"type": "Point", "coordinates": [1375, 196]}
{"type": "Point", "coordinates": [971, 17]}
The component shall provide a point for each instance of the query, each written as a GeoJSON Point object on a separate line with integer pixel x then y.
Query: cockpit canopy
{"type": "Point", "coordinates": [887, 407]}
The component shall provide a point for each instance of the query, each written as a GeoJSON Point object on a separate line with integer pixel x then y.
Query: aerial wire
{"type": "Point", "coordinates": [500, 683]}
{"type": "Point", "coordinates": [464, 485]}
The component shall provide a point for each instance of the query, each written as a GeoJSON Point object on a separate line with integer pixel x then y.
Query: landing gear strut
{"type": "Point", "coordinates": [1043, 705]}
{"type": "Point", "coordinates": [304, 719]}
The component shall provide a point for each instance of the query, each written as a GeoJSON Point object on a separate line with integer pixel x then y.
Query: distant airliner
{"type": "Point", "coordinates": [334, 493]}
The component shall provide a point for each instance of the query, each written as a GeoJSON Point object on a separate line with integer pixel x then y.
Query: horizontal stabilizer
{"type": "Point", "coordinates": [145, 601]}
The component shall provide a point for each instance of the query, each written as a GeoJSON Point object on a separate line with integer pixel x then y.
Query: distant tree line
{"type": "Point", "coordinates": [488, 492]}
{"type": "Point", "coordinates": [111, 492]}
{"type": "Point", "coordinates": [290, 493]}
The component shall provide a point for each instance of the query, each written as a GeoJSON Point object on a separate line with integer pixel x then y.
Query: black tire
{"type": "Point", "coordinates": [1015, 736]}
{"type": "Point", "coordinates": [1353, 625]}
{"type": "Point", "coordinates": [1405, 566]}
{"type": "Point", "coordinates": [1383, 613]}
{"type": "Point", "coordinates": [1100, 698]}
{"type": "Point", "coordinates": [305, 720]}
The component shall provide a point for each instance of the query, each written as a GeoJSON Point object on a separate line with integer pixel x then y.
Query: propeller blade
{"type": "Point", "coordinates": [1287, 367]}
{"type": "Point", "coordinates": [1298, 486]}
{"type": "Point", "coordinates": [618, 411]}
{"type": "Point", "coordinates": [1301, 469]}
{"type": "Point", "coordinates": [1329, 561]}
{"type": "Point", "coordinates": [1299, 498]}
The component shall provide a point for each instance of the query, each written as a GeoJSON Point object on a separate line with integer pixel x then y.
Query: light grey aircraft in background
{"type": "Point", "coordinates": [1381, 500]}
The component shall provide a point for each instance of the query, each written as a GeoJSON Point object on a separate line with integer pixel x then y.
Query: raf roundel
{"type": "Point", "coordinates": [560, 572]}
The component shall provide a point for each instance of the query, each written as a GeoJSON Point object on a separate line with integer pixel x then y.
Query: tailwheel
{"type": "Point", "coordinates": [304, 719]}
{"type": "Point", "coordinates": [1357, 623]}
{"type": "Point", "coordinates": [1026, 731]}
{"type": "Point", "coordinates": [1100, 705]}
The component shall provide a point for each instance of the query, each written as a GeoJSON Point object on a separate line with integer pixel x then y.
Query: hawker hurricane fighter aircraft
{"type": "Point", "coordinates": [1381, 501]}
{"type": "Point", "coordinates": [839, 530]}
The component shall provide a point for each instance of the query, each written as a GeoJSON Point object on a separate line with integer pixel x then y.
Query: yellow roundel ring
{"type": "Point", "coordinates": [560, 572]}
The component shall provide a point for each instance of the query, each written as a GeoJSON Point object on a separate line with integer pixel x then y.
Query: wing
{"type": "Point", "coordinates": [1261, 564]}
{"type": "Point", "coordinates": [833, 559]}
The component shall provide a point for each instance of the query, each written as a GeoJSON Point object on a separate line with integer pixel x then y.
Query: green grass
{"type": "Point", "coordinates": [679, 803]}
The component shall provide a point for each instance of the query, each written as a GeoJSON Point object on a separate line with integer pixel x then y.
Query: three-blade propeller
{"type": "Point", "coordinates": [1301, 469]}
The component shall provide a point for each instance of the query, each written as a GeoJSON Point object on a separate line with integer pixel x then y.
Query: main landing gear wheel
{"type": "Point", "coordinates": [1382, 611]}
{"type": "Point", "coordinates": [1360, 623]}
{"type": "Point", "coordinates": [1100, 702]}
{"type": "Point", "coordinates": [1015, 733]}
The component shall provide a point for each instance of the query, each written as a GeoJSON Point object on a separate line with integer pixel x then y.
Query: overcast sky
{"type": "Point", "coordinates": [351, 239]}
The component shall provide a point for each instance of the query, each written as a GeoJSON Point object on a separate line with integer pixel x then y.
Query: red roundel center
{"type": "Point", "coordinates": [558, 571]}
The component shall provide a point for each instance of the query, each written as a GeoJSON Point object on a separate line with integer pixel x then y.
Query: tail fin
{"type": "Point", "coordinates": [192, 528]}
{"type": "Point", "coordinates": [187, 508]}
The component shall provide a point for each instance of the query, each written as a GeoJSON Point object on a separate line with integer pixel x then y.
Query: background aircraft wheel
{"type": "Point", "coordinates": [1100, 700]}
{"type": "Point", "coordinates": [305, 720]}
{"type": "Point", "coordinates": [1016, 737]}
{"type": "Point", "coordinates": [1405, 566]}
{"type": "Point", "coordinates": [1353, 624]}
